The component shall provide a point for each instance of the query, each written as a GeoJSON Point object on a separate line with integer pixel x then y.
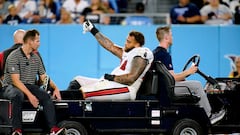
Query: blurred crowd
{"type": "Point", "coordinates": [13, 12]}
{"type": "Point", "coordinates": [206, 12]}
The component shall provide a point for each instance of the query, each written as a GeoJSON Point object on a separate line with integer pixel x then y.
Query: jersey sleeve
{"type": "Point", "coordinates": [145, 53]}
{"type": "Point", "coordinates": [41, 65]}
{"type": "Point", "coordinates": [13, 65]}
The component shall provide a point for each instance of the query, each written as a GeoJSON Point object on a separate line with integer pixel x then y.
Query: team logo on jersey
{"type": "Point", "coordinates": [13, 68]}
{"type": "Point", "coordinates": [145, 55]}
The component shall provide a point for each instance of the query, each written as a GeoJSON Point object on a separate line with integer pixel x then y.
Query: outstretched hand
{"type": "Point", "coordinates": [87, 26]}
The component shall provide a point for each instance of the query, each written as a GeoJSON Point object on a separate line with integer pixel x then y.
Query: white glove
{"type": "Point", "coordinates": [87, 26]}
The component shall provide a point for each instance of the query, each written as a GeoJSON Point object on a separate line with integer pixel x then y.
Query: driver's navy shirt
{"type": "Point", "coordinates": [161, 54]}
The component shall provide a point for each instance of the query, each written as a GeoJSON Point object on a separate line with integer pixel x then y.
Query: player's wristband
{"type": "Point", "coordinates": [109, 77]}
{"type": "Point", "coordinates": [94, 31]}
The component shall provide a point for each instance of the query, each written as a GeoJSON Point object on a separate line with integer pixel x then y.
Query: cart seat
{"type": "Point", "coordinates": [160, 84]}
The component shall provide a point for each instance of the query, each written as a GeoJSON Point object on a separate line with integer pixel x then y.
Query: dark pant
{"type": "Point", "coordinates": [17, 97]}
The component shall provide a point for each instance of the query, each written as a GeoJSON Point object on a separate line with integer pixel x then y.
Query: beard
{"type": "Point", "coordinates": [128, 49]}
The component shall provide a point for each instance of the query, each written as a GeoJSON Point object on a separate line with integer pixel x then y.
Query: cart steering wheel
{"type": "Point", "coordinates": [195, 59]}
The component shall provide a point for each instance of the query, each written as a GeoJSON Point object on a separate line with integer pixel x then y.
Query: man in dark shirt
{"type": "Point", "coordinates": [12, 18]}
{"type": "Point", "coordinates": [18, 40]}
{"type": "Point", "coordinates": [185, 12]}
{"type": "Point", "coordinates": [164, 36]}
{"type": "Point", "coordinates": [21, 68]}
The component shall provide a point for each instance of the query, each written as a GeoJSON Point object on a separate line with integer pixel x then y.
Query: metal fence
{"type": "Point", "coordinates": [158, 18]}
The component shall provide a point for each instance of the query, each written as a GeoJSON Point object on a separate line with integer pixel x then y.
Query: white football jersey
{"type": "Point", "coordinates": [127, 58]}
{"type": "Point", "coordinates": [111, 86]}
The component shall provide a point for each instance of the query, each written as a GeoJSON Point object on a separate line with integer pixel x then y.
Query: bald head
{"type": "Point", "coordinates": [18, 36]}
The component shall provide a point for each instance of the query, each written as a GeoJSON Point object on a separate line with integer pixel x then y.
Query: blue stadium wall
{"type": "Point", "coordinates": [67, 52]}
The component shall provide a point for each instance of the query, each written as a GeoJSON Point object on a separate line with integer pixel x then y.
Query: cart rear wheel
{"type": "Point", "coordinates": [73, 128]}
{"type": "Point", "coordinates": [187, 127]}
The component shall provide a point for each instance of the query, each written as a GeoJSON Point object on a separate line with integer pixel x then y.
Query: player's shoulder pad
{"type": "Point", "coordinates": [144, 52]}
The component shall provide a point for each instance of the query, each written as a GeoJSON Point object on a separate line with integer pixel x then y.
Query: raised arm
{"type": "Point", "coordinates": [109, 45]}
{"type": "Point", "coordinates": [103, 40]}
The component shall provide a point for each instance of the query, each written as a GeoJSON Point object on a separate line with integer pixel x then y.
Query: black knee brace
{"type": "Point", "coordinates": [74, 85]}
